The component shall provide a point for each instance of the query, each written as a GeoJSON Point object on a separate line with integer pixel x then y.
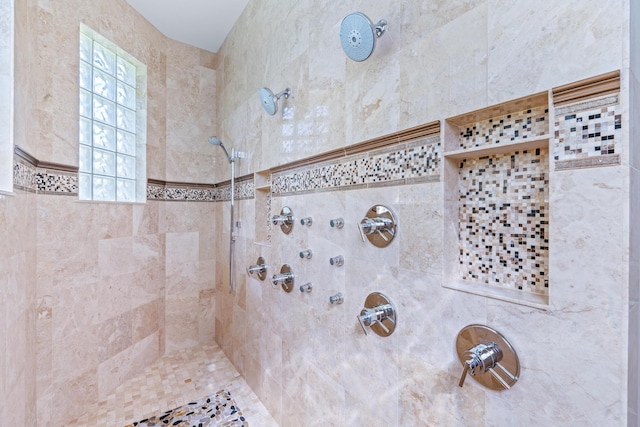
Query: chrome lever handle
{"type": "Point", "coordinates": [385, 238]}
{"type": "Point", "coordinates": [282, 219]}
{"type": "Point", "coordinates": [464, 374]}
{"type": "Point", "coordinates": [257, 268]}
{"type": "Point", "coordinates": [362, 325]}
{"type": "Point", "coordinates": [363, 235]}
{"type": "Point", "coordinates": [499, 379]}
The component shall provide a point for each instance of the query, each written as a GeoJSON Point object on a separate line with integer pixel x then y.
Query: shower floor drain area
{"type": "Point", "coordinates": [216, 410]}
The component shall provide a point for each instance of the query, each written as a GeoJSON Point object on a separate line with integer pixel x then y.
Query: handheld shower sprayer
{"type": "Point", "coordinates": [214, 140]}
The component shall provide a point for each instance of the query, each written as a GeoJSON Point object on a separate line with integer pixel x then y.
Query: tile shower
{"type": "Point", "coordinates": [134, 282]}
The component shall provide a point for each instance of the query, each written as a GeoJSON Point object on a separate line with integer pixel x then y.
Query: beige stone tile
{"type": "Point", "coordinates": [174, 380]}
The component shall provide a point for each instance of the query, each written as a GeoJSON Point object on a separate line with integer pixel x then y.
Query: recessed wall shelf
{"type": "Point", "coordinates": [262, 200]}
{"type": "Point", "coordinates": [496, 175]}
{"type": "Point", "coordinates": [508, 147]}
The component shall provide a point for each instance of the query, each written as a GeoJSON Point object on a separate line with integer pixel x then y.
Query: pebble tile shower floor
{"type": "Point", "coordinates": [174, 380]}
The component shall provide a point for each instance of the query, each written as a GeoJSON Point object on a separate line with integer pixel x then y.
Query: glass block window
{"type": "Point", "coordinates": [109, 143]}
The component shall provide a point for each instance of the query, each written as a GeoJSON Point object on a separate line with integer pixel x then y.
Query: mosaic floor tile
{"type": "Point", "coordinates": [172, 381]}
{"type": "Point", "coordinates": [217, 410]}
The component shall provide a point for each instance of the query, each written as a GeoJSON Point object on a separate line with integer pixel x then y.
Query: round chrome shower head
{"type": "Point", "coordinates": [269, 101]}
{"type": "Point", "coordinates": [214, 140]}
{"type": "Point", "coordinates": [358, 35]}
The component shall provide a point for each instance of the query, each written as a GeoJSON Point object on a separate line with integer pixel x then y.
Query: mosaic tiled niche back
{"type": "Point", "coordinates": [504, 220]}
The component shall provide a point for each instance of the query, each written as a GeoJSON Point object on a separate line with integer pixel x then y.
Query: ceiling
{"type": "Point", "coordinates": [201, 23]}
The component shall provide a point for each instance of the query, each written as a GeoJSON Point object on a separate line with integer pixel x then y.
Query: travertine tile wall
{"type": "Point", "coordinates": [634, 212]}
{"type": "Point", "coordinates": [18, 309]}
{"type": "Point", "coordinates": [308, 360]}
{"type": "Point", "coordinates": [17, 258]}
{"type": "Point", "coordinates": [101, 290]}
{"type": "Point", "coordinates": [108, 297]}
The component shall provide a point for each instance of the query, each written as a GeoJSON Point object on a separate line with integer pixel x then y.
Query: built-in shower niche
{"type": "Point", "coordinates": [496, 177]}
{"type": "Point", "coordinates": [262, 200]}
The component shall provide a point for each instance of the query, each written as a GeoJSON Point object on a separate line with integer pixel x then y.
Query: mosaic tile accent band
{"type": "Point", "coordinates": [504, 220]}
{"type": "Point", "coordinates": [28, 177]}
{"type": "Point", "coordinates": [24, 176]}
{"type": "Point", "coordinates": [523, 125]}
{"type": "Point", "coordinates": [158, 191]}
{"type": "Point", "coordinates": [217, 410]}
{"type": "Point", "coordinates": [396, 165]}
{"type": "Point", "coordinates": [588, 129]}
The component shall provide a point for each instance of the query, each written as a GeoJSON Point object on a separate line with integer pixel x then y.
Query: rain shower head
{"type": "Point", "coordinates": [358, 35]}
{"type": "Point", "coordinates": [214, 140]}
{"type": "Point", "coordinates": [270, 101]}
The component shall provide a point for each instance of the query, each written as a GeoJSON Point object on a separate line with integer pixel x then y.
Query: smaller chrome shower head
{"type": "Point", "coordinates": [270, 101]}
{"type": "Point", "coordinates": [214, 140]}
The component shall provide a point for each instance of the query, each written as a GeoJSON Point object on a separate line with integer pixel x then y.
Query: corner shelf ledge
{"type": "Point", "coordinates": [540, 302]}
{"type": "Point", "coordinates": [521, 144]}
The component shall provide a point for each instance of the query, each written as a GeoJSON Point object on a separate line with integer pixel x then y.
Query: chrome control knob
{"type": "Point", "coordinates": [259, 270]}
{"type": "Point", "coordinates": [337, 298]}
{"type": "Point", "coordinates": [306, 254]}
{"type": "Point", "coordinates": [285, 220]}
{"type": "Point", "coordinates": [378, 314]}
{"type": "Point", "coordinates": [483, 350]}
{"type": "Point", "coordinates": [379, 226]}
{"type": "Point", "coordinates": [338, 261]}
{"type": "Point", "coordinates": [285, 279]}
{"type": "Point", "coordinates": [336, 223]}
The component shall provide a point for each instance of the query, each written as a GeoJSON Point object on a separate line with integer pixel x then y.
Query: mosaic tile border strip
{"type": "Point", "coordinates": [585, 132]}
{"type": "Point", "coordinates": [28, 177]}
{"type": "Point", "coordinates": [400, 164]}
{"type": "Point", "coordinates": [218, 409]}
{"type": "Point", "coordinates": [522, 125]}
{"type": "Point", "coordinates": [51, 181]}
{"type": "Point", "coordinates": [589, 162]}
{"type": "Point", "coordinates": [157, 190]}
{"type": "Point", "coordinates": [24, 176]}
{"type": "Point", "coordinates": [504, 220]}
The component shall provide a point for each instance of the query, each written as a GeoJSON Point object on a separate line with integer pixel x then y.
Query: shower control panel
{"type": "Point", "coordinates": [488, 357]}
{"type": "Point", "coordinates": [285, 220]}
{"type": "Point", "coordinates": [259, 269]}
{"type": "Point", "coordinates": [379, 226]}
{"type": "Point", "coordinates": [286, 278]}
{"type": "Point", "coordinates": [378, 314]}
